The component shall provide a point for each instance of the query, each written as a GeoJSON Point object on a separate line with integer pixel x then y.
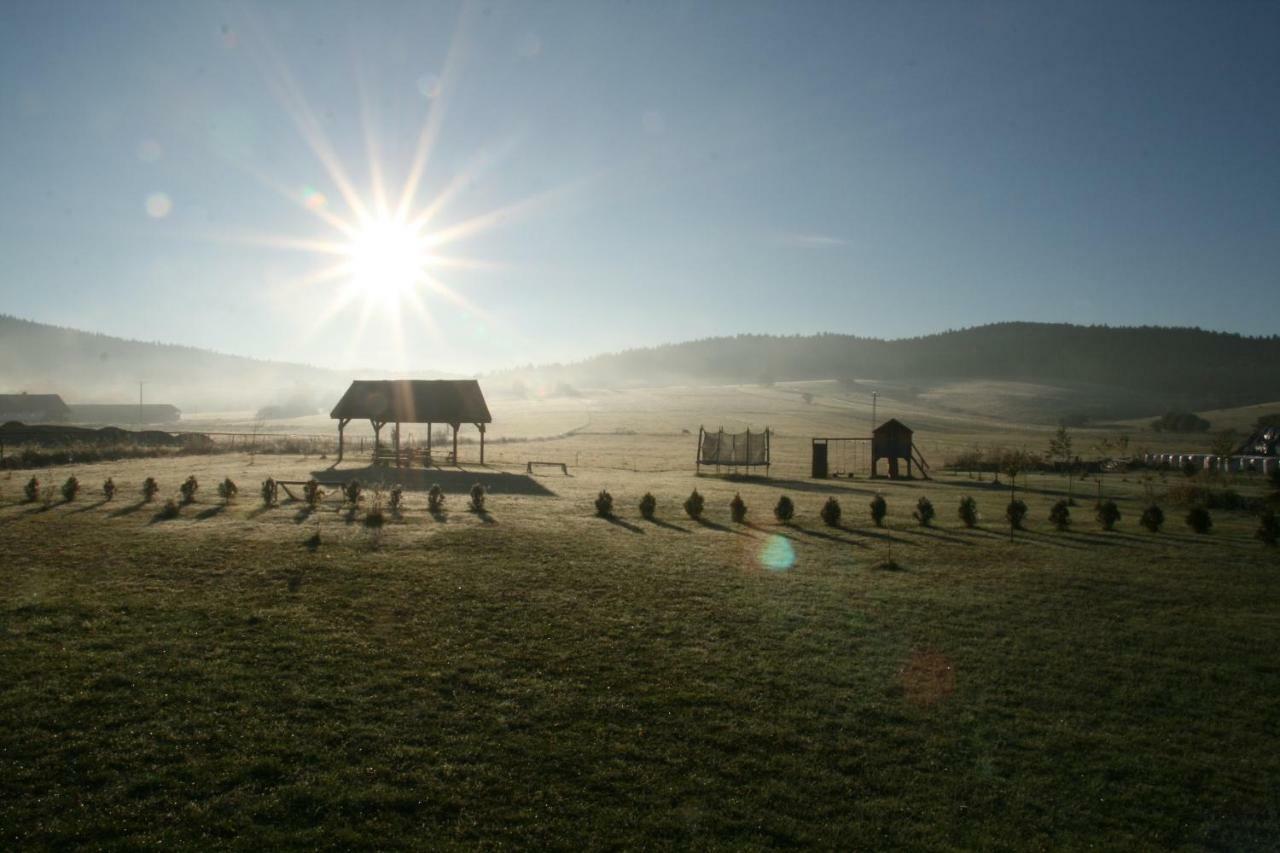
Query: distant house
{"type": "Point", "coordinates": [33, 408]}
{"type": "Point", "coordinates": [124, 413]}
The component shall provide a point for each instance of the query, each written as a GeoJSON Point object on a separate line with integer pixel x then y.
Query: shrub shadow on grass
{"type": "Point", "coordinates": [657, 522]}
{"type": "Point", "coordinates": [831, 537]}
{"type": "Point", "coordinates": [90, 507]}
{"type": "Point", "coordinates": [128, 510]}
{"type": "Point", "coordinates": [1053, 540]}
{"type": "Point", "coordinates": [439, 516]}
{"type": "Point", "coordinates": [937, 535]}
{"type": "Point", "coordinates": [303, 514]}
{"type": "Point", "coordinates": [713, 525]}
{"type": "Point", "coordinates": [880, 533]}
{"type": "Point", "coordinates": [484, 515]}
{"type": "Point", "coordinates": [625, 525]}
{"type": "Point", "coordinates": [259, 510]}
{"type": "Point", "coordinates": [1094, 538]}
{"type": "Point", "coordinates": [205, 514]}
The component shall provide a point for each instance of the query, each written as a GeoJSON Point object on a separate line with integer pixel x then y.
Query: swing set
{"type": "Point", "coordinates": [841, 456]}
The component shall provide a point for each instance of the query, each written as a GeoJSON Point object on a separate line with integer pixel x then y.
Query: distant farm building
{"type": "Point", "coordinates": [124, 413]}
{"type": "Point", "coordinates": [33, 408]}
{"type": "Point", "coordinates": [452, 402]}
{"type": "Point", "coordinates": [1260, 453]}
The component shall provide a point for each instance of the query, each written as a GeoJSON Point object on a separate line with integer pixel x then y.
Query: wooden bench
{"type": "Point", "coordinates": [528, 468]}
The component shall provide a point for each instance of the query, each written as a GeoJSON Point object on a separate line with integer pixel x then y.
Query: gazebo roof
{"type": "Point", "coordinates": [414, 401]}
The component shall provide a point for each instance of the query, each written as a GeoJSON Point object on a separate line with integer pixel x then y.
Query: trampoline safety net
{"type": "Point", "coordinates": [733, 448]}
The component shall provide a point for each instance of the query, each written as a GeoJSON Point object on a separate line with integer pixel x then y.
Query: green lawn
{"type": "Point", "coordinates": [548, 678]}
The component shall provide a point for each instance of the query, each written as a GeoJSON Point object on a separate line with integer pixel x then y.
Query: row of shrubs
{"type": "Point", "coordinates": [1106, 512]}
{"type": "Point", "coordinates": [352, 492]}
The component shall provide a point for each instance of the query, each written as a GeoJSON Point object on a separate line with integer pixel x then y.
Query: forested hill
{"type": "Point", "coordinates": [1189, 367]}
{"type": "Point", "coordinates": [1171, 368]}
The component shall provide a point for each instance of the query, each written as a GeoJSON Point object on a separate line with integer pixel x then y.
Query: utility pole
{"type": "Point", "coordinates": [140, 384]}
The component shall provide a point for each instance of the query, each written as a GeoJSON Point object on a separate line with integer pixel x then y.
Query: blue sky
{"type": "Point", "coordinates": [667, 170]}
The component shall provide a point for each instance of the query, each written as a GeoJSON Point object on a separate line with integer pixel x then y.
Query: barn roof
{"type": "Point", "coordinates": [49, 403]}
{"type": "Point", "coordinates": [892, 425]}
{"type": "Point", "coordinates": [415, 401]}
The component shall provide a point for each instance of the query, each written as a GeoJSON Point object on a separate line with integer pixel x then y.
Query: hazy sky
{"type": "Point", "coordinates": [667, 170]}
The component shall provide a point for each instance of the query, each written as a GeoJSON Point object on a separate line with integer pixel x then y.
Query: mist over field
{"type": "Point", "coordinates": [1084, 372]}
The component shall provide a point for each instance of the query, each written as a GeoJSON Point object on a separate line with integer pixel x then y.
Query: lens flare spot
{"type": "Point", "coordinates": [777, 554]}
{"type": "Point", "coordinates": [429, 86]}
{"type": "Point", "coordinates": [313, 198]}
{"type": "Point", "coordinates": [159, 205]}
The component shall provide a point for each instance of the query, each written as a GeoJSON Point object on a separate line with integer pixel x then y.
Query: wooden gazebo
{"type": "Point", "coordinates": [412, 401]}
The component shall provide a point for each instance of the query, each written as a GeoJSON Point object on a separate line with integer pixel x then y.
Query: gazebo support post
{"type": "Point", "coordinates": [377, 438]}
{"type": "Point", "coordinates": [455, 442]}
{"type": "Point", "coordinates": [396, 435]}
{"type": "Point", "coordinates": [481, 428]}
{"type": "Point", "coordinates": [342, 423]}
{"type": "Point", "coordinates": [429, 442]}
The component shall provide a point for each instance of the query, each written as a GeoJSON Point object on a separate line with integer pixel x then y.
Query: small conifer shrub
{"type": "Point", "coordinates": [924, 511]}
{"type": "Point", "coordinates": [109, 489]}
{"type": "Point", "coordinates": [31, 491]}
{"type": "Point", "coordinates": [604, 504]}
{"type": "Point", "coordinates": [785, 510]}
{"type": "Point", "coordinates": [879, 509]}
{"type": "Point", "coordinates": [351, 492]}
{"type": "Point", "coordinates": [170, 509]}
{"type": "Point", "coordinates": [1153, 518]}
{"type": "Point", "coordinates": [1016, 513]}
{"type": "Point", "coordinates": [1108, 514]}
{"type": "Point", "coordinates": [270, 492]}
{"type": "Point", "coordinates": [1060, 515]}
{"type": "Point", "coordinates": [1199, 520]}
{"type": "Point", "coordinates": [968, 511]}
{"type": "Point", "coordinates": [477, 498]}
{"type": "Point", "coordinates": [694, 504]}
{"type": "Point", "coordinates": [738, 509]}
{"type": "Point", "coordinates": [435, 499]}
{"type": "Point", "coordinates": [1268, 527]}
{"type": "Point", "coordinates": [189, 488]}
{"type": "Point", "coordinates": [312, 493]}
{"type": "Point", "coordinates": [227, 490]}
{"type": "Point", "coordinates": [149, 489]}
{"type": "Point", "coordinates": [70, 489]}
{"type": "Point", "coordinates": [648, 506]}
{"type": "Point", "coordinates": [830, 512]}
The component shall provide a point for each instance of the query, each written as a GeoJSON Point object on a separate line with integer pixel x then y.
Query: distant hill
{"type": "Point", "coordinates": [85, 367]}
{"type": "Point", "coordinates": [1100, 371]}
{"type": "Point", "coordinates": [1151, 368]}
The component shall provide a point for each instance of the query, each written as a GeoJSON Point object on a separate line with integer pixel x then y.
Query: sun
{"type": "Point", "coordinates": [388, 260]}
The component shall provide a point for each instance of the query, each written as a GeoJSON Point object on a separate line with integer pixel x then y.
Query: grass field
{"type": "Point", "coordinates": [536, 675]}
